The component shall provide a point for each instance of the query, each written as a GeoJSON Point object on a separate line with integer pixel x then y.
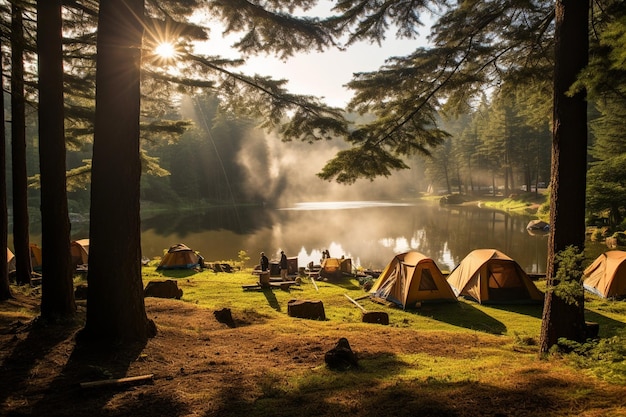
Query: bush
{"type": "Point", "coordinates": [620, 238]}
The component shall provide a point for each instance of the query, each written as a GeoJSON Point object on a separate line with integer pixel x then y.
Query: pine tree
{"type": "Point", "coordinates": [57, 298]}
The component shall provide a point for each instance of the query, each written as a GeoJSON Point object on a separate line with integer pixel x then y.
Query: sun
{"type": "Point", "coordinates": [165, 50]}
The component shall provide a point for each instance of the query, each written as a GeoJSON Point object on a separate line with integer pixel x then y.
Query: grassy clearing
{"type": "Point", "coordinates": [453, 352]}
{"type": "Point", "coordinates": [516, 327]}
{"type": "Point", "coordinates": [457, 359]}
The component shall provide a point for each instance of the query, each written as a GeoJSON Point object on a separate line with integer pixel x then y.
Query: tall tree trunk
{"type": "Point", "coordinates": [57, 297]}
{"type": "Point", "coordinates": [569, 166]}
{"type": "Point", "coordinates": [115, 304]}
{"type": "Point", "coordinates": [5, 290]}
{"type": "Point", "coordinates": [18, 150]}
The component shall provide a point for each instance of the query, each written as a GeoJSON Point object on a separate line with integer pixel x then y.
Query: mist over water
{"type": "Point", "coordinates": [369, 222]}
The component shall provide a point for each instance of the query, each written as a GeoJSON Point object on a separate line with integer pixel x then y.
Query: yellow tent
{"type": "Point", "coordinates": [490, 276]}
{"type": "Point", "coordinates": [331, 268]}
{"type": "Point", "coordinates": [35, 257]}
{"type": "Point", "coordinates": [606, 276]}
{"type": "Point", "coordinates": [10, 260]}
{"type": "Point", "coordinates": [179, 256]}
{"type": "Point", "coordinates": [412, 278]}
{"type": "Point", "coordinates": [80, 252]}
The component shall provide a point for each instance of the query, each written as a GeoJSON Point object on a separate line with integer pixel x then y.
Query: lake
{"type": "Point", "coordinates": [371, 233]}
{"type": "Point", "coordinates": [368, 232]}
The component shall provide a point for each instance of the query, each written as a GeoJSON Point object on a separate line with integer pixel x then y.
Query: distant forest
{"type": "Point", "coordinates": [502, 147]}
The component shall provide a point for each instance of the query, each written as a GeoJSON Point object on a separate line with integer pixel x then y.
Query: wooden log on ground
{"type": "Point", "coordinates": [118, 381]}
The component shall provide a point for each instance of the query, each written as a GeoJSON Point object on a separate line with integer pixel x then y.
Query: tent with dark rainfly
{"type": "Point", "coordinates": [606, 276]}
{"type": "Point", "coordinates": [490, 276]}
{"type": "Point", "coordinates": [411, 278]}
{"type": "Point", "coordinates": [179, 256]}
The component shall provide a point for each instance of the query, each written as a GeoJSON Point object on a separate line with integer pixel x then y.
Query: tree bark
{"type": "Point", "coordinates": [115, 304]}
{"type": "Point", "coordinates": [57, 297]}
{"type": "Point", "coordinates": [569, 168]}
{"type": "Point", "coordinates": [5, 289]}
{"type": "Point", "coordinates": [18, 151]}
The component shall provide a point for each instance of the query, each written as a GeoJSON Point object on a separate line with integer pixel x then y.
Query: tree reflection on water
{"type": "Point", "coordinates": [370, 233]}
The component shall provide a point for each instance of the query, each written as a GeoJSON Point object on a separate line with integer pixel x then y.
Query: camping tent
{"type": "Point", "coordinates": [10, 260]}
{"type": "Point", "coordinates": [35, 257]}
{"type": "Point", "coordinates": [411, 278]}
{"type": "Point", "coordinates": [179, 256]}
{"type": "Point", "coordinates": [80, 252]}
{"type": "Point", "coordinates": [606, 276]}
{"type": "Point", "coordinates": [490, 276]}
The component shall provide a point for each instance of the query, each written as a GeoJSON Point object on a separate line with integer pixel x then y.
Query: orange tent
{"type": "Point", "coordinates": [10, 260]}
{"type": "Point", "coordinates": [412, 278]}
{"type": "Point", "coordinates": [606, 276]}
{"type": "Point", "coordinates": [35, 257]}
{"type": "Point", "coordinates": [80, 252]}
{"type": "Point", "coordinates": [490, 276]}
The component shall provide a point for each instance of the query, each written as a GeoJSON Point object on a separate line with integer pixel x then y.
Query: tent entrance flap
{"type": "Point", "coordinates": [504, 284]}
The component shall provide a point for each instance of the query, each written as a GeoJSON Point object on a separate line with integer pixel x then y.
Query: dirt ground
{"type": "Point", "coordinates": [201, 367]}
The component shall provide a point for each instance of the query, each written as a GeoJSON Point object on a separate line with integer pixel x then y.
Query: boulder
{"type": "Point", "coordinates": [163, 289]}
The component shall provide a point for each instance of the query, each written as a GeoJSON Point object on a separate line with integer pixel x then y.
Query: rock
{"type": "Point", "coordinates": [163, 289]}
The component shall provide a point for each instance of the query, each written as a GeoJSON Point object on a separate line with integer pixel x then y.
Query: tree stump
{"type": "Point", "coordinates": [224, 316]}
{"type": "Point", "coordinates": [306, 309]}
{"type": "Point", "coordinates": [341, 357]}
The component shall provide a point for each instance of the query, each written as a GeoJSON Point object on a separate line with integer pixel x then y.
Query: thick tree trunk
{"type": "Point", "coordinates": [57, 298]}
{"type": "Point", "coordinates": [115, 304]}
{"type": "Point", "coordinates": [18, 151]}
{"type": "Point", "coordinates": [569, 168]}
{"type": "Point", "coordinates": [5, 290]}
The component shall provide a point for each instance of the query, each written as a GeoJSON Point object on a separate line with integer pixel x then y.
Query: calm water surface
{"type": "Point", "coordinates": [368, 232]}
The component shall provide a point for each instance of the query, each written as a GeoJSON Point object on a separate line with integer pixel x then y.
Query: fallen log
{"type": "Point", "coordinates": [118, 381]}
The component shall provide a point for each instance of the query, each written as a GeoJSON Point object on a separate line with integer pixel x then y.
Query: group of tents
{"type": "Point", "coordinates": [486, 276]}
{"type": "Point", "coordinates": [79, 251]}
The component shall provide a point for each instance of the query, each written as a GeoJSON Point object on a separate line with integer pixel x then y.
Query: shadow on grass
{"type": "Point", "coordinates": [177, 273]}
{"type": "Point", "coordinates": [345, 283]}
{"type": "Point", "coordinates": [94, 362]}
{"type": "Point", "coordinates": [461, 314]}
{"type": "Point", "coordinates": [532, 310]}
{"type": "Point", "coordinates": [366, 393]}
{"type": "Point", "coordinates": [19, 366]}
{"type": "Point", "coordinates": [271, 299]}
{"type": "Point", "coordinates": [608, 326]}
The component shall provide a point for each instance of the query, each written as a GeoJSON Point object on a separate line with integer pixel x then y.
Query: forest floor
{"type": "Point", "coordinates": [202, 367]}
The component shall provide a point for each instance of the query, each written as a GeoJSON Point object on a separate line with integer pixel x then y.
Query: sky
{"type": "Point", "coordinates": [325, 74]}
{"type": "Point", "coordinates": [320, 74]}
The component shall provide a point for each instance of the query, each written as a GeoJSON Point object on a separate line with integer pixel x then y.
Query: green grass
{"type": "Point", "coordinates": [219, 290]}
{"type": "Point", "coordinates": [457, 355]}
